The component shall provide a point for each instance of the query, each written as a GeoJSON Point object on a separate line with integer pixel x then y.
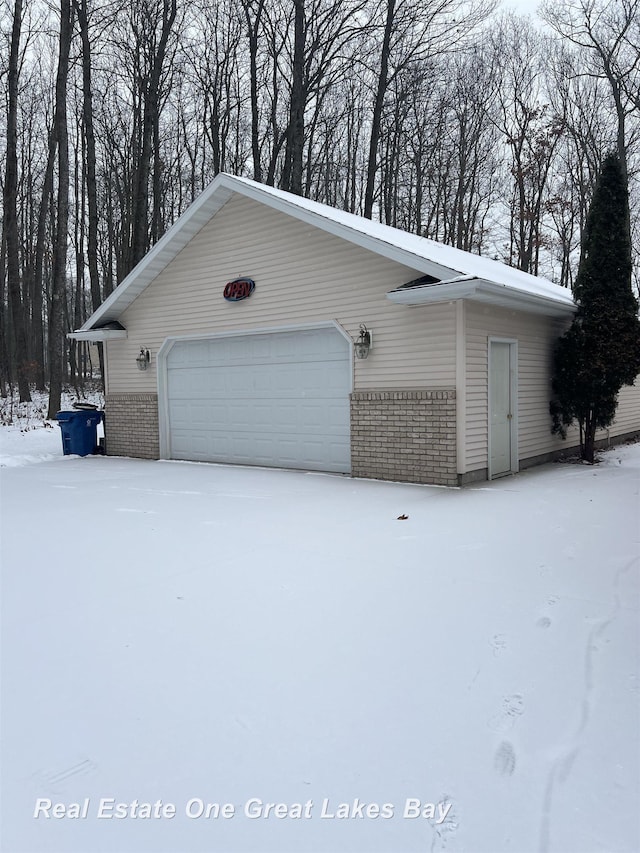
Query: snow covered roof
{"type": "Point", "coordinates": [460, 274]}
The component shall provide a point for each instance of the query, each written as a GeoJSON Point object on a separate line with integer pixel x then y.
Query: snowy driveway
{"type": "Point", "coordinates": [220, 638]}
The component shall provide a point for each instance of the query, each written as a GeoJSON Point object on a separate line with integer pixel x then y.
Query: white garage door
{"type": "Point", "coordinates": [278, 399]}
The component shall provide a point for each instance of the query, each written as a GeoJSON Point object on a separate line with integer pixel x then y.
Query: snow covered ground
{"type": "Point", "coordinates": [220, 638]}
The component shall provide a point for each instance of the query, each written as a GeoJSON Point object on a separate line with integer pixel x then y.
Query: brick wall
{"type": "Point", "coordinates": [404, 435]}
{"type": "Point", "coordinates": [131, 425]}
{"type": "Point", "coordinates": [408, 436]}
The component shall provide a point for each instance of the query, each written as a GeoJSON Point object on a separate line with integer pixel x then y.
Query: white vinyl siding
{"type": "Point", "coordinates": [302, 275]}
{"type": "Point", "coordinates": [536, 336]}
{"type": "Point", "coordinates": [628, 412]}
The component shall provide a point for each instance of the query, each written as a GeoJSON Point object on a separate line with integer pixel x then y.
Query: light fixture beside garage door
{"type": "Point", "coordinates": [363, 345]}
{"type": "Point", "coordinates": [143, 359]}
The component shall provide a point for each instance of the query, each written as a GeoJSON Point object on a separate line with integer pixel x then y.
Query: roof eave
{"type": "Point", "coordinates": [488, 292]}
{"type": "Point", "coordinates": [98, 335]}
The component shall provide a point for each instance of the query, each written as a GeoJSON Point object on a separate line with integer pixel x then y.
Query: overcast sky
{"type": "Point", "coordinates": [527, 6]}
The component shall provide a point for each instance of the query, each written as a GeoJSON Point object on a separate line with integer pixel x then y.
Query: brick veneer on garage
{"type": "Point", "coordinates": [131, 425]}
{"type": "Point", "coordinates": [404, 435]}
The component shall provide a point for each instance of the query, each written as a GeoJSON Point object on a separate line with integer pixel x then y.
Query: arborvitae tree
{"type": "Point", "coordinates": [600, 352]}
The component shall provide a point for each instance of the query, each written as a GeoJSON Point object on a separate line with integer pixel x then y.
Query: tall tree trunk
{"type": "Point", "coordinates": [41, 236]}
{"type": "Point", "coordinates": [376, 119]}
{"type": "Point", "coordinates": [252, 32]}
{"type": "Point", "coordinates": [157, 223]}
{"type": "Point", "coordinates": [59, 278]}
{"type": "Point", "coordinates": [140, 236]}
{"type": "Point", "coordinates": [11, 211]}
{"type": "Point", "coordinates": [92, 185]}
{"type": "Point", "coordinates": [5, 362]}
{"type": "Point", "coordinates": [90, 142]}
{"type": "Point", "coordinates": [589, 443]}
{"type": "Point", "coordinates": [292, 172]}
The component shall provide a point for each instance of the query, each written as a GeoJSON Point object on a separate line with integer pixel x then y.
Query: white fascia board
{"type": "Point", "coordinates": [98, 335]}
{"type": "Point", "coordinates": [487, 292]}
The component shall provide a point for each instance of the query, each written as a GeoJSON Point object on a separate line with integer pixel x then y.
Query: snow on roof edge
{"type": "Point", "coordinates": [410, 249]}
{"type": "Point", "coordinates": [457, 260]}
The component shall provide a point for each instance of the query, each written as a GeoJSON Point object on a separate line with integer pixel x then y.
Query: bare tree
{"type": "Point", "coordinates": [82, 14]}
{"type": "Point", "coordinates": [473, 147]}
{"type": "Point", "coordinates": [10, 198]}
{"type": "Point", "coordinates": [410, 34]}
{"type": "Point", "coordinates": [292, 169]}
{"type": "Point", "coordinates": [530, 129]}
{"type": "Point", "coordinates": [253, 10]}
{"type": "Point", "coordinates": [583, 103]}
{"type": "Point", "coordinates": [608, 33]}
{"type": "Point", "coordinates": [59, 275]}
{"type": "Point", "coordinates": [213, 59]}
{"type": "Point", "coordinates": [152, 22]}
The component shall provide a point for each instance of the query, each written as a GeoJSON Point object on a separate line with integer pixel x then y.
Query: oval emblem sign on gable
{"type": "Point", "coordinates": [240, 288]}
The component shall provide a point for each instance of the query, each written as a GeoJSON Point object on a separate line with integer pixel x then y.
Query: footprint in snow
{"type": "Point", "coordinates": [505, 719]}
{"type": "Point", "coordinates": [498, 643]}
{"type": "Point", "coordinates": [444, 832]}
{"type": "Point", "coordinates": [505, 759]}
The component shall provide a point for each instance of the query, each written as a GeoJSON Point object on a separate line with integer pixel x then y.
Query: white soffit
{"type": "Point", "coordinates": [99, 335]}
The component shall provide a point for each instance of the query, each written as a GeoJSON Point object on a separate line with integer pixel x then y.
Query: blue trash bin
{"type": "Point", "coordinates": [79, 432]}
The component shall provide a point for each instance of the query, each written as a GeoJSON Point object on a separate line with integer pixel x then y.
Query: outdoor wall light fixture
{"type": "Point", "coordinates": [143, 359]}
{"type": "Point", "coordinates": [363, 344]}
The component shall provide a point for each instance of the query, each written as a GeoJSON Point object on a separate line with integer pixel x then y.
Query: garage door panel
{"type": "Point", "coordinates": [290, 381]}
{"type": "Point", "coordinates": [337, 419]}
{"type": "Point", "coordinates": [196, 445]}
{"type": "Point", "coordinates": [198, 417]}
{"type": "Point", "coordinates": [277, 399]}
{"type": "Point", "coordinates": [241, 351]}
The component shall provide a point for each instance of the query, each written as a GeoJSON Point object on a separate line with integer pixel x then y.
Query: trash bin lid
{"type": "Point", "coordinates": [91, 416]}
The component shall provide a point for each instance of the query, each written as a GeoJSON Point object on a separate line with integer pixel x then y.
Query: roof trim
{"type": "Point", "coordinates": [418, 253]}
{"type": "Point", "coordinates": [479, 290]}
{"type": "Point", "coordinates": [98, 335]}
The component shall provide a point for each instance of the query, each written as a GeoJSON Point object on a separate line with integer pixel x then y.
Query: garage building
{"type": "Point", "coordinates": [234, 340]}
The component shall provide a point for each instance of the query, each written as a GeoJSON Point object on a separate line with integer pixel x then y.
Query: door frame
{"type": "Point", "coordinates": [167, 346]}
{"type": "Point", "coordinates": [513, 391]}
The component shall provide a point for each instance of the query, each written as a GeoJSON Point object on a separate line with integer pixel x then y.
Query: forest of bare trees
{"type": "Point", "coordinates": [450, 118]}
